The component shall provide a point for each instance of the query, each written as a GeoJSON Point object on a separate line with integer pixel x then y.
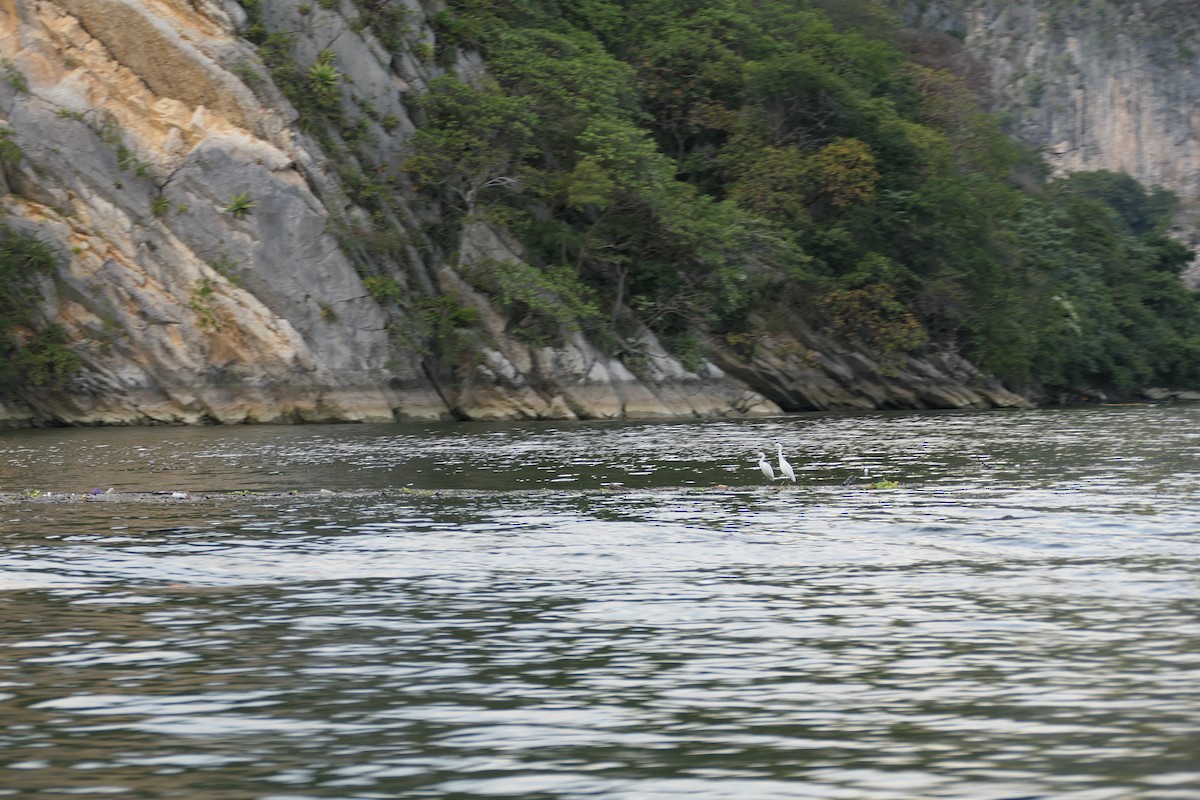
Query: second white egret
{"type": "Point", "coordinates": [765, 466]}
{"type": "Point", "coordinates": [784, 467]}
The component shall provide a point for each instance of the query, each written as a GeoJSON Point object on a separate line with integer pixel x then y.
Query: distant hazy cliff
{"type": "Point", "coordinates": [1096, 86]}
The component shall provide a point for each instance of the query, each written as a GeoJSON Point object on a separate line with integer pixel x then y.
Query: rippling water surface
{"type": "Point", "coordinates": [607, 610]}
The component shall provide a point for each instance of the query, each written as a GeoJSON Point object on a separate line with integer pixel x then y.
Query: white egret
{"type": "Point", "coordinates": [765, 466]}
{"type": "Point", "coordinates": [784, 467]}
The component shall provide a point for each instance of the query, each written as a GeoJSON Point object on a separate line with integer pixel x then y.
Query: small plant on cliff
{"type": "Point", "coordinates": [323, 74]}
{"type": "Point", "coordinates": [423, 51]}
{"type": "Point", "coordinates": [239, 205]}
{"type": "Point", "coordinates": [227, 268]}
{"type": "Point", "coordinates": [201, 304]}
{"type": "Point", "coordinates": [10, 152]}
{"type": "Point", "coordinates": [109, 132]}
{"type": "Point", "coordinates": [246, 71]}
{"type": "Point", "coordinates": [14, 76]}
{"type": "Point", "coordinates": [128, 159]}
{"type": "Point", "coordinates": [384, 288]}
{"type": "Point", "coordinates": [325, 81]}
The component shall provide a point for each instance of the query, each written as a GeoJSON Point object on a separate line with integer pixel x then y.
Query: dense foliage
{"type": "Point", "coordinates": [741, 167]}
{"type": "Point", "coordinates": [31, 353]}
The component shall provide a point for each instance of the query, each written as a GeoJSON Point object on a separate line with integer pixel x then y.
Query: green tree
{"type": "Point", "coordinates": [474, 142]}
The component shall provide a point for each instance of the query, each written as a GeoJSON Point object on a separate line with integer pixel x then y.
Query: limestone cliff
{"type": "Point", "coordinates": [207, 275]}
{"type": "Point", "coordinates": [1095, 86]}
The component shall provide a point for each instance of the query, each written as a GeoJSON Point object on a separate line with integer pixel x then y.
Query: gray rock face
{"type": "Point", "coordinates": [206, 275]}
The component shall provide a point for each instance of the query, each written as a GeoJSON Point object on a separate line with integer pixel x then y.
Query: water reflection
{"type": "Point", "coordinates": [1016, 620]}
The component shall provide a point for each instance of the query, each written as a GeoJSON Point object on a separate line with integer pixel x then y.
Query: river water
{"type": "Point", "coordinates": [606, 610]}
